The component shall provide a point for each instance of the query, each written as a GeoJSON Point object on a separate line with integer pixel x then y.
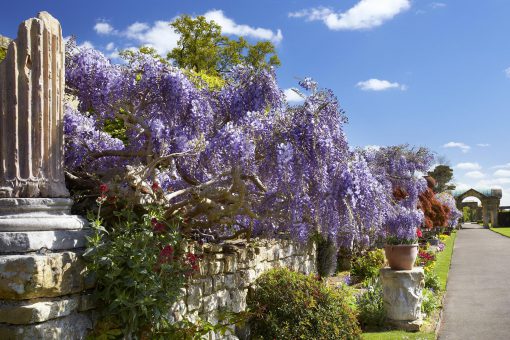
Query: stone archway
{"type": "Point", "coordinates": [490, 199]}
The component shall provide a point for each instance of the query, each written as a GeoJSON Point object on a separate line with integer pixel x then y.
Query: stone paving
{"type": "Point", "coordinates": [477, 304]}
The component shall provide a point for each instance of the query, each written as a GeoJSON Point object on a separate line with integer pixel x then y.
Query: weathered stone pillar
{"type": "Point", "coordinates": [42, 275]}
{"type": "Point", "coordinates": [33, 195]}
{"type": "Point", "coordinates": [402, 294]}
{"type": "Point", "coordinates": [485, 214]}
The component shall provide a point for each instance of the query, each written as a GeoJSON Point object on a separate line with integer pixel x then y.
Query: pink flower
{"type": "Point", "coordinates": [419, 233]}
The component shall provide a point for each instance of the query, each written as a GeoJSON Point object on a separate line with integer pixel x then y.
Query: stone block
{"type": "Point", "coordinates": [238, 300]}
{"type": "Point", "coordinates": [194, 297]}
{"type": "Point", "coordinates": [208, 286]}
{"type": "Point", "coordinates": [218, 282]}
{"type": "Point", "coordinates": [215, 267]}
{"type": "Point", "coordinates": [230, 281]}
{"type": "Point", "coordinates": [223, 297]}
{"type": "Point", "coordinates": [72, 327]}
{"type": "Point", "coordinates": [210, 303]}
{"type": "Point", "coordinates": [230, 261]}
{"type": "Point", "coordinates": [30, 241]}
{"type": "Point", "coordinates": [33, 311]}
{"type": "Point", "coordinates": [42, 275]}
{"type": "Point", "coordinates": [402, 293]}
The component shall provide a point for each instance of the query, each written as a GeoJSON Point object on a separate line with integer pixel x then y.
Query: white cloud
{"type": "Point", "coordinates": [502, 173]}
{"type": "Point", "coordinates": [103, 28]}
{"type": "Point", "coordinates": [229, 26]}
{"type": "Point", "coordinates": [379, 85]}
{"type": "Point", "coordinates": [507, 72]}
{"type": "Point", "coordinates": [493, 182]}
{"type": "Point", "coordinates": [86, 44]}
{"type": "Point", "coordinates": [463, 147]}
{"type": "Point", "coordinates": [468, 166]}
{"type": "Point", "coordinates": [161, 36]}
{"type": "Point", "coordinates": [483, 145]}
{"type": "Point", "coordinates": [110, 46]}
{"type": "Point", "coordinates": [292, 96]}
{"type": "Point", "coordinates": [475, 174]}
{"type": "Point", "coordinates": [134, 30]}
{"type": "Point", "coordinates": [365, 14]}
{"type": "Point", "coordinates": [502, 166]}
{"type": "Point", "coordinates": [437, 5]}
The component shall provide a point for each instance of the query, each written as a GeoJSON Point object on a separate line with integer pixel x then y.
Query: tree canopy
{"type": "Point", "coordinates": [442, 175]}
{"type": "Point", "coordinates": [203, 48]}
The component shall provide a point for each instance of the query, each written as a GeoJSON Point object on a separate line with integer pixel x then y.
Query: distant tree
{"type": "Point", "coordinates": [442, 174]}
{"type": "Point", "coordinates": [203, 48]}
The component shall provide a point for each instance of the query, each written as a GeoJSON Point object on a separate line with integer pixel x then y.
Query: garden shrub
{"type": "Point", "coordinates": [368, 265]}
{"type": "Point", "coordinates": [290, 305]}
{"type": "Point", "coordinates": [140, 265]}
{"type": "Point", "coordinates": [371, 305]}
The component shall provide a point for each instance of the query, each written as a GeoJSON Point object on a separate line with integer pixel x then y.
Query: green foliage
{"type": "Point", "coordinates": [3, 53]}
{"type": "Point", "coordinates": [432, 281]}
{"type": "Point", "coordinates": [443, 174]}
{"type": "Point", "coordinates": [367, 266]}
{"type": "Point", "coordinates": [290, 305]}
{"type": "Point", "coordinates": [139, 272]}
{"type": "Point", "coordinates": [371, 305]}
{"type": "Point", "coordinates": [203, 48]}
{"type": "Point", "coordinates": [430, 301]}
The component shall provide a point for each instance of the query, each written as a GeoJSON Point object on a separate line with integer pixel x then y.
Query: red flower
{"type": "Point", "coordinates": [192, 261]}
{"type": "Point", "coordinates": [155, 186]}
{"type": "Point", "coordinates": [166, 254]}
{"type": "Point", "coordinates": [419, 233]}
{"type": "Point", "coordinates": [103, 188]}
{"type": "Point", "coordinates": [157, 226]}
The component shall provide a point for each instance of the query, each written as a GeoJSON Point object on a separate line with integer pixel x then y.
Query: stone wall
{"type": "Point", "coordinates": [41, 283]}
{"type": "Point", "coordinates": [43, 286]}
{"type": "Point", "coordinates": [227, 272]}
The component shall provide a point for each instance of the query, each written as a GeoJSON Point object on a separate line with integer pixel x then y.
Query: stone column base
{"type": "Point", "coordinates": [402, 294]}
{"type": "Point", "coordinates": [31, 214]}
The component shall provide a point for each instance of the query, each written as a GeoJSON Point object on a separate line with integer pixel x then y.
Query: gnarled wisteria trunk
{"type": "Point", "coordinates": [31, 112]}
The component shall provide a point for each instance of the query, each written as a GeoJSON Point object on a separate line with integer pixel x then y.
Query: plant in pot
{"type": "Point", "coordinates": [401, 247]}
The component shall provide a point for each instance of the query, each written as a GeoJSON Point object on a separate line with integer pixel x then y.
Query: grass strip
{"type": "Point", "coordinates": [502, 231]}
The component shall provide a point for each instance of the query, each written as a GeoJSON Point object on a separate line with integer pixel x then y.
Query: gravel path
{"type": "Point", "coordinates": [477, 304]}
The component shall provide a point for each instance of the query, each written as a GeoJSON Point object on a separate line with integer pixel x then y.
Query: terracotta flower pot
{"type": "Point", "coordinates": [401, 256]}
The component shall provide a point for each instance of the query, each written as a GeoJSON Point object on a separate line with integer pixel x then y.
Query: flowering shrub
{"type": "Point", "coordinates": [289, 305]}
{"type": "Point", "coordinates": [425, 258]}
{"type": "Point", "coordinates": [140, 265]}
{"type": "Point", "coordinates": [449, 201]}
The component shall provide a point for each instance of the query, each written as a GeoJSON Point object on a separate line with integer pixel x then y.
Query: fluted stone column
{"type": "Point", "coordinates": [33, 195]}
{"type": "Point", "coordinates": [43, 282]}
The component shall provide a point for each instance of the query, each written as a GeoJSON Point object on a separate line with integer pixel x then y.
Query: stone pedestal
{"type": "Point", "coordinates": [402, 294]}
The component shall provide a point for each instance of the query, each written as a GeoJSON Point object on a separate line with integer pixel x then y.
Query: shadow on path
{"type": "Point", "coordinates": [477, 304]}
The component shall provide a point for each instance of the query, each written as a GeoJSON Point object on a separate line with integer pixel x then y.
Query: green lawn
{"type": "Point", "coordinates": [502, 231]}
{"type": "Point", "coordinates": [441, 268]}
{"type": "Point", "coordinates": [443, 261]}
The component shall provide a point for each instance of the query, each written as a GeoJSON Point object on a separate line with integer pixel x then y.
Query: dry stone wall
{"type": "Point", "coordinates": [227, 272]}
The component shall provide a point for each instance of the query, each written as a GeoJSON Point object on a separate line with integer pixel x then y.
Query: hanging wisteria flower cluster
{"type": "Point", "coordinates": [239, 159]}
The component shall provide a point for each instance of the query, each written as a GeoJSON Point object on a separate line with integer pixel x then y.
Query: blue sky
{"type": "Point", "coordinates": [422, 72]}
